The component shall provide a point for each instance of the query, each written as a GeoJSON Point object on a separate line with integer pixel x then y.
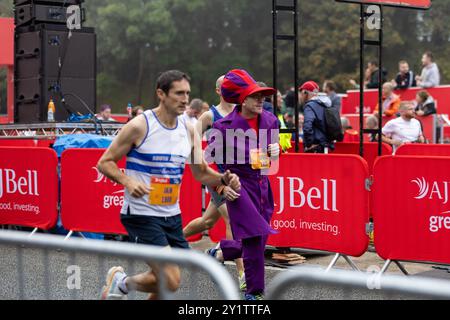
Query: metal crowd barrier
{"type": "Point", "coordinates": [416, 287]}
{"type": "Point", "coordinates": [223, 283]}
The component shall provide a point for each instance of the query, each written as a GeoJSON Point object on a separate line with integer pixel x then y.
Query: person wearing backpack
{"type": "Point", "coordinates": [322, 126]}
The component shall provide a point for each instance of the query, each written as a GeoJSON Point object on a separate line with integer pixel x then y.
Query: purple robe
{"type": "Point", "coordinates": [250, 215]}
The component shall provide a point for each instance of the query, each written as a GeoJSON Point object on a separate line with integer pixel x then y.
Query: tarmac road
{"type": "Point", "coordinates": [195, 284]}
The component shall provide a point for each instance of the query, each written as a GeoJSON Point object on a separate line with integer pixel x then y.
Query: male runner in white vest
{"type": "Point", "coordinates": [157, 145]}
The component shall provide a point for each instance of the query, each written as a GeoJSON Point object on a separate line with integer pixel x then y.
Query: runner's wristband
{"type": "Point", "coordinates": [222, 180]}
{"type": "Point", "coordinates": [220, 190]}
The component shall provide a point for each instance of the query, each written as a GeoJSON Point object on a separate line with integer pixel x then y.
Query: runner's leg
{"type": "Point", "coordinates": [149, 281]}
{"type": "Point", "coordinates": [201, 224]}
{"type": "Point", "coordinates": [253, 255]}
{"type": "Point", "coordinates": [229, 236]}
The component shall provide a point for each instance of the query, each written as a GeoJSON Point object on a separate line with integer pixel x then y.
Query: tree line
{"type": "Point", "coordinates": [138, 39]}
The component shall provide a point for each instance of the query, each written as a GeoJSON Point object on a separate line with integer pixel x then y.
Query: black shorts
{"type": "Point", "coordinates": [155, 231]}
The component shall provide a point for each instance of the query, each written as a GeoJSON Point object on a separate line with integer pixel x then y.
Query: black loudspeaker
{"type": "Point", "coordinates": [39, 53]}
{"type": "Point", "coordinates": [49, 2]}
{"type": "Point", "coordinates": [37, 13]}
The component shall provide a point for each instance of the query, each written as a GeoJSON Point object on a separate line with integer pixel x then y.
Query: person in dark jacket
{"type": "Point", "coordinates": [373, 79]}
{"type": "Point", "coordinates": [329, 87]}
{"type": "Point", "coordinates": [314, 127]}
{"type": "Point", "coordinates": [405, 78]}
{"type": "Point", "coordinates": [425, 104]}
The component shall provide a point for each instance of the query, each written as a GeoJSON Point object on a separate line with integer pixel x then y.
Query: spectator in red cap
{"type": "Point", "coordinates": [251, 212]}
{"type": "Point", "coordinates": [314, 127]}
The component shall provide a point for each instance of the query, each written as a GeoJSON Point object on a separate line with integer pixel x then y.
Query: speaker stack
{"type": "Point", "coordinates": [52, 62]}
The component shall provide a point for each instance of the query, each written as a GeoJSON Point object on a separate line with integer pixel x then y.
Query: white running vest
{"type": "Point", "coordinates": [162, 154]}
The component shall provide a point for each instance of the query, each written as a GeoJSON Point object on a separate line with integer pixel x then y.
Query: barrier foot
{"type": "Point", "coordinates": [82, 236]}
{"type": "Point", "coordinates": [351, 263]}
{"type": "Point", "coordinates": [399, 265]}
{"type": "Point", "coordinates": [68, 235]}
{"type": "Point", "coordinates": [33, 232]}
{"type": "Point", "coordinates": [402, 268]}
{"type": "Point", "coordinates": [333, 262]}
{"type": "Point", "coordinates": [386, 266]}
{"type": "Point", "coordinates": [347, 259]}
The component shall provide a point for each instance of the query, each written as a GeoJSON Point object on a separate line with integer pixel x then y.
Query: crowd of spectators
{"type": "Point", "coordinates": [424, 104]}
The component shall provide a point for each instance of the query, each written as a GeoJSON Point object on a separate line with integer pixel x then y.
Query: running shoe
{"type": "Point", "coordinates": [111, 290]}
{"type": "Point", "coordinates": [212, 252]}
{"type": "Point", "coordinates": [242, 282]}
{"type": "Point", "coordinates": [253, 297]}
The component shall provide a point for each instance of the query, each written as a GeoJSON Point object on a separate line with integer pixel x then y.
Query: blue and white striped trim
{"type": "Point", "coordinates": [163, 171]}
{"type": "Point", "coordinates": [162, 158]}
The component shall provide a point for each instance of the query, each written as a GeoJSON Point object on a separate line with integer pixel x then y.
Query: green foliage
{"type": "Point", "coordinates": [138, 39]}
{"type": "Point", "coordinates": [6, 8]}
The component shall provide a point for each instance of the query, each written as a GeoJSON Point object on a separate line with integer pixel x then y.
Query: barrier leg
{"type": "Point", "coordinates": [347, 259]}
{"type": "Point", "coordinates": [351, 263]}
{"type": "Point", "coordinates": [33, 232]}
{"type": "Point", "coordinates": [386, 266]}
{"type": "Point", "coordinates": [333, 262]}
{"type": "Point", "coordinates": [68, 235]}
{"type": "Point", "coordinates": [82, 236]}
{"type": "Point", "coordinates": [399, 265]}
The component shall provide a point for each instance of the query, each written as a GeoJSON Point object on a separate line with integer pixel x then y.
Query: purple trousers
{"type": "Point", "coordinates": [251, 250]}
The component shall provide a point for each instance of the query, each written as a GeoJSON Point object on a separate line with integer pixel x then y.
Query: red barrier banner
{"type": "Point", "coordinates": [428, 124]}
{"type": "Point", "coordinates": [417, 4]}
{"type": "Point", "coordinates": [411, 208]}
{"type": "Point", "coordinates": [370, 151]}
{"type": "Point", "coordinates": [90, 202]}
{"type": "Point", "coordinates": [30, 143]}
{"type": "Point", "coordinates": [28, 187]}
{"type": "Point", "coordinates": [7, 41]}
{"type": "Point", "coordinates": [190, 200]}
{"type": "Point", "coordinates": [434, 150]}
{"type": "Point", "coordinates": [351, 103]}
{"type": "Point", "coordinates": [320, 204]}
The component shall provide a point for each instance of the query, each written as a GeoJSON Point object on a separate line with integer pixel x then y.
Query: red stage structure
{"type": "Point", "coordinates": [7, 61]}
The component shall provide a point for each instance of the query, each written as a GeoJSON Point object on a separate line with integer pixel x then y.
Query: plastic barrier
{"type": "Point", "coordinates": [320, 204]}
{"type": "Point", "coordinates": [428, 123]}
{"type": "Point", "coordinates": [7, 60]}
{"type": "Point", "coordinates": [90, 202]}
{"type": "Point", "coordinates": [424, 150]}
{"type": "Point", "coordinates": [411, 208]}
{"type": "Point", "coordinates": [28, 187]}
{"type": "Point", "coordinates": [190, 200]}
{"type": "Point", "coordinates": [351, 103]}
{"type": "Point", "coordinates": [370, 151]}
{"type": "Point", "coordinates": [30, 143]}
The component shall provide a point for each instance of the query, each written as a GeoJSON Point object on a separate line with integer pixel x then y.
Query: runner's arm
{"type": "Point", "coordinates": [204, 122]}
{"type": "Point", "coordinates": [130, 135]}
{"type": "Point", "coordinates": [202, 172]}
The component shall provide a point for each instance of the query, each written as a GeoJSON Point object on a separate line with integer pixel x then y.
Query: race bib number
{"type": "Point", "coordinates": [259, 159]}
{"type": "Point", "coordinates": [164, 191]}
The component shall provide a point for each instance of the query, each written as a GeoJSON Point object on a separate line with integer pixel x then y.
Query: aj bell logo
{"type": "Point", "coordinates": [320, 197]}
{"type": "Point", "coordinates": [11, 183]}
{"type": "Point", "coordinates": [435, 190]}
